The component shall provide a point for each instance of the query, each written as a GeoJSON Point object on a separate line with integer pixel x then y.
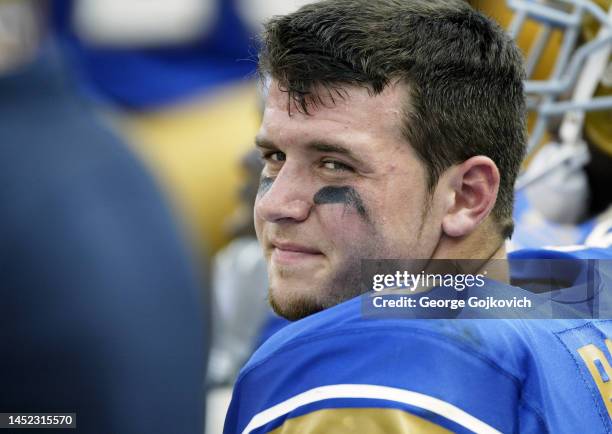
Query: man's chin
{"type": "Point", "coordinates": [293, 308]}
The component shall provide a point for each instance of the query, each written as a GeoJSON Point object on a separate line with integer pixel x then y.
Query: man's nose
{"type": "Point", "coordinates": [285, 200]}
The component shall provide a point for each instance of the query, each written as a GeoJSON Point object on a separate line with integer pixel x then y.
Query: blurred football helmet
{"type": "Point", "coordinates": [152, 23]}
{"type": "Point", "coordinates": [567, 46]}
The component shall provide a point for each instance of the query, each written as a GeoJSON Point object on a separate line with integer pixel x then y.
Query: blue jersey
{"type": "Point", "coordinates": [336, 372]}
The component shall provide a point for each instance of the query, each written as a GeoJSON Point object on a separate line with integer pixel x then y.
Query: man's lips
{"type": "Point", "coordinates": [292, 253]}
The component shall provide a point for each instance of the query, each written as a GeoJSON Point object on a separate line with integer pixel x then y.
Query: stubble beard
{"type": "Point", "coordinates": [296, 304]}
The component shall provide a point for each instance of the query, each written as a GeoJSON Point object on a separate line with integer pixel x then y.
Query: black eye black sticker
{"type": "Point", "coordinates": [264, 185]}
{"type": "Point", "coordinates": [344, 195]}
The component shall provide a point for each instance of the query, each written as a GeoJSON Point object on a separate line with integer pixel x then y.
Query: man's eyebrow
{"type": "Point", "coordinates": [261, 142]}
{"type": "Point", "coordinates": [331, 147]}
{"type": "Point", "coordinates": [323, 146]}
{"type": "Point", "coordinates": [315, 146]}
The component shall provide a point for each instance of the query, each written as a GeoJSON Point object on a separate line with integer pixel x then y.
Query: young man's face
{"type": "Point", "coordinates": [339, 185]}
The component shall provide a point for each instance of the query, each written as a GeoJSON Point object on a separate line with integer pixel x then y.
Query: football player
{"type": "Point", "coordinates": [395, 129]}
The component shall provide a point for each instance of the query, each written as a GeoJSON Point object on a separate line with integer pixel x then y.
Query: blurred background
{"type": "Point", "coordinates": [128, 180]}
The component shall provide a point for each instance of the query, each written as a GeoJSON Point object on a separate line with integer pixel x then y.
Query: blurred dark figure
{"type": "Point", "coordinates": [100, 312]}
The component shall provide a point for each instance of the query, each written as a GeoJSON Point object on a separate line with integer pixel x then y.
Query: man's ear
{"type": "Point", "coordinates": [473, 187]}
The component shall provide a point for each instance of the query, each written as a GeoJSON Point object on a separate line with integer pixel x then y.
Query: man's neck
{"type": "Point", "coordinates": [483, 250]}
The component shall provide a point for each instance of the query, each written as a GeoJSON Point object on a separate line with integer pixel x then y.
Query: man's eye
{"type": "Point", "coordinates": [336, 165]}
{"type": "Point", "coordinates": [275, 156]}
